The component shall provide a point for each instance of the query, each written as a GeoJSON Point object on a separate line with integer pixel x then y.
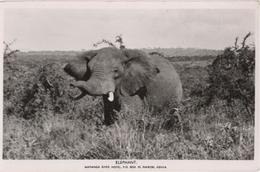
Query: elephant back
{"type": "Point", "coordinates": [165, 89]}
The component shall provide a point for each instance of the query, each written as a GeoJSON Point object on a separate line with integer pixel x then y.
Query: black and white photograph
{"type": "Point", "coordinates": [129, 83]}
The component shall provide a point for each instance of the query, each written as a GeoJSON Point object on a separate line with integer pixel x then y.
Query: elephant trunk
{"type": "Point", "coordinates": [94, 85]}
{"type": "Point", "coordinates": [97, 87]}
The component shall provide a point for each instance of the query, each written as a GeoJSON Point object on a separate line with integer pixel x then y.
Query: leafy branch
{"type": "Point", "coordinates": [8, 52]}
{"type": "Point", "coordinates": [118, 40]}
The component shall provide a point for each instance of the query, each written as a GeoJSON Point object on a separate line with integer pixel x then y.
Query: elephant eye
{"type": "Point", "coordinates": [116, 73]}
{"type": "Point", "coordinates": [116, 70]}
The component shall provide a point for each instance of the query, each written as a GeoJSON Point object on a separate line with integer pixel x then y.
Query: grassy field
{"type": "Point", "coordinates": [42, 123]}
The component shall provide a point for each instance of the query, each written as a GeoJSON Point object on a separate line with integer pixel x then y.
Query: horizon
{"type": "Point", "coordinates": [27, 51]}
{"type": "Point", "coordinates": [79, 29]}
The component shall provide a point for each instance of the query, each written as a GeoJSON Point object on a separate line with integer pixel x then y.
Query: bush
{"type": "Point", "coordinates": [231, 78]}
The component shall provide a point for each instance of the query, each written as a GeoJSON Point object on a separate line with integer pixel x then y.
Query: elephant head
{"type": "Point", "coordinates": [111, 70]}
{"type": "Point", "coordinates": [111, 73]}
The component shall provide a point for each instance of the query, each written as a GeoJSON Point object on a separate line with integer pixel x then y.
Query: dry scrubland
{"type": "Point", "coordinates": [40, 121]}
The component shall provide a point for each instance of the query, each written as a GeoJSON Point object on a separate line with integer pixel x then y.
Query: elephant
{"type": "Point", "coordinates": [117, 73]}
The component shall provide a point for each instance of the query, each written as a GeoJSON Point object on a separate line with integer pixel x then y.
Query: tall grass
{"type": "Point", "coordinates": [51, 126]}
{"type": "Point", "coordinates": [40, 121]}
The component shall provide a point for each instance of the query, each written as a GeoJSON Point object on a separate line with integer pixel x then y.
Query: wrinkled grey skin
{"type": "Point", "coordinates": [126, 72]}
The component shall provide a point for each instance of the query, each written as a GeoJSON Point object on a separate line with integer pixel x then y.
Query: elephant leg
{"type": "Point", "coordinates": [109, 107]}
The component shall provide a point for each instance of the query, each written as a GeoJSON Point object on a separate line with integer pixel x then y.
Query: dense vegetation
{"type": "Point", "coordinates": [42, 122]}
{"type": "Point", "coordinates": [231, 79]}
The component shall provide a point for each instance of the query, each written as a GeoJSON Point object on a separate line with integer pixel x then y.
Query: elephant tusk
{"type": "Point", "coordinates": [111, 96]}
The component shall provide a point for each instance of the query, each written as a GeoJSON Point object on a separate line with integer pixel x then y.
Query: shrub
{"type": "Point", "coordinates": [231, 78]}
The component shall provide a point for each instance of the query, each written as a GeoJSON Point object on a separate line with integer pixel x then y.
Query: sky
{"type": "Point", "coordinates": [78, 29]}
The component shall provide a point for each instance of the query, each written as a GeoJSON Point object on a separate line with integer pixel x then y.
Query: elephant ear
{"type": "Point", "coordinates": [138, 72]}
{"type": "Point", "coordinates": [76, 70]}
{"type": "Point", "coordinates": [87, 56]}
{"type": "Point", "coordinates": [79, 69]}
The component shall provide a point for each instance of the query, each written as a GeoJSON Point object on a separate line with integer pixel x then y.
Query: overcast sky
{"type": "Point", "coordinates": [77, 29]}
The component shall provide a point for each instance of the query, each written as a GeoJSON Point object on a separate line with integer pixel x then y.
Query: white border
{"type": "Point", "coordinates": [135, 5]}
{"type": "Point", "coordinates": [1, 82]}
{"type": "Point", "coordinates": [178, 165]}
